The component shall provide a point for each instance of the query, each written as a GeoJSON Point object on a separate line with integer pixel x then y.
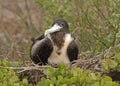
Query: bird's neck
{"type": "Point", "coordinates": [58, 38]}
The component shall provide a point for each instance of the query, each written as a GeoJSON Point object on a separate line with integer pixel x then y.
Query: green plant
{"type": "Point", "coordinates": [95, 24]}
{"type": "Point", "coordinates": [8, 77]}
{"type": "Point", "coordinates": [63, 76]}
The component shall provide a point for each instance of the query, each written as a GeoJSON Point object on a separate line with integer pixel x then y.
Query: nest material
{"type": "Point", "coordinates": [86, 60]}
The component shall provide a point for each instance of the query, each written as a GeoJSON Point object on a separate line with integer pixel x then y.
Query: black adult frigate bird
{"type": "Point", "coordinates": [55, 46]}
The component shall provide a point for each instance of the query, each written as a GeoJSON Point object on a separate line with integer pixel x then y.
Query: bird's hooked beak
{"type": "Point", "coordinates": [53, 29]}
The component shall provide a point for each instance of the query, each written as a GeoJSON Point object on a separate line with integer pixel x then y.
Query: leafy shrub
{"type": "Point", "coordinates": [8, 77]}
{"type": "Point", "coordinates": [63, 76]}
{"type": "Point", "coordinates": [95, 24]}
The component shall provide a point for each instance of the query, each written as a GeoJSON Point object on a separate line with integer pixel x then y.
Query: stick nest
{"type": "Point", "coordinates": [86, 60]}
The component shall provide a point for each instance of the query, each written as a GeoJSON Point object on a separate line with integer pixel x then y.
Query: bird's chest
{"type": "Point", "coordinates": [59, 56]}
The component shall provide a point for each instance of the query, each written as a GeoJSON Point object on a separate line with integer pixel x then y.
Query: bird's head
{"type": "Point", "coordinates": [58, 25]}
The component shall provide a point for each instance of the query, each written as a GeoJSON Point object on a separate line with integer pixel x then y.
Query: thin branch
{"type": "Point", "coordinates": [22, 69]}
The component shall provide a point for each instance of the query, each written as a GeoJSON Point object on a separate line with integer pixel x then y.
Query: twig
{"type": "Point", "coordinates": [22, 69]}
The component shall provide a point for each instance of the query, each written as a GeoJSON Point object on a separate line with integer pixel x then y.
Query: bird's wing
{"type": "Point", "coordinates": [72, 51]}
{"type": "Point", "coordinates": [38, 38]}
{"type": "Point", "coordinates": [41, 50]}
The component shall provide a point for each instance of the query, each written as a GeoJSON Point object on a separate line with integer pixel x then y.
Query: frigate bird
{"type": "Point", "coordinates": [55, 46]}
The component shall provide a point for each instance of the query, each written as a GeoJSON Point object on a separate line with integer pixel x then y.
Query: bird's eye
{"type": "Point", "coordinates": [62, 25]}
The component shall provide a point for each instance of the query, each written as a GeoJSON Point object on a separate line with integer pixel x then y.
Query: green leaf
{"type": "Point", "coordinates": [48, 82]}
{"type": "Point", "coordinates": [1, 84]}
{"type": "Point", "coordinates": [73, 80]}
{"type": "Point", "coordinates": [53, 79]}
{"type": "Point", "coordinates": [64, 85]}
{"type": "Point", "coordinates": [25, 81]}
{"type": "Point", "coordinates": [117, 57]}
{"type": "Point", "coordinates": [107, 78]}
{"type": "Point", "coordinates": [112, 64]}
{"type": "Point", "coordinates": [13, 79]}
{"type": "Point", "coordinates": [118, 68]}
{"type": "Point", "coordinates": [51, 85]}
{"type": "Point", "coordinates": [109, 64]}
{"type": "Point", "coordinates": [1, 74]}
{"type": "Point", "coordinates": [60, 77]}
{"type": "Point", "coordinates": [92, 76]}
{"type": "Point", "coordinates": [6, 63]}
{"type": "Point", "coordinates": [16, 84]}
{"type": "Point", "coordinates": [49, 71]}
{"type": "Point", "coordinates": [96, 83]}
